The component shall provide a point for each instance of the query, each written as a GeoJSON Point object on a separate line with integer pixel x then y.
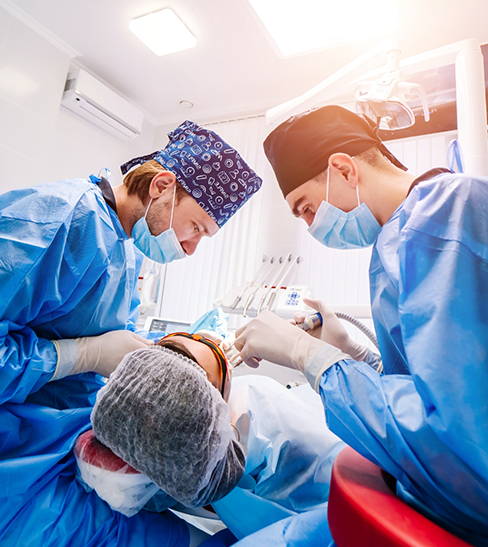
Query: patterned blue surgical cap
{"type": "Point", "coordinates": [208, 168]}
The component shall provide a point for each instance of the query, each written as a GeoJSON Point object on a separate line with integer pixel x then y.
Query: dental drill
{"type": "Point", "coordinates": [310, 322]}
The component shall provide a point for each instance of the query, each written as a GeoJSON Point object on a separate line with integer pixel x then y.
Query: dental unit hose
{"type": "Point", "coordinates": [314, 321]}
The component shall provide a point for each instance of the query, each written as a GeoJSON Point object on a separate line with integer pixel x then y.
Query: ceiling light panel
{"type": "Point", "coordinates": [298, 27]}
{"type": "Point", "coordinates": [162, 32]}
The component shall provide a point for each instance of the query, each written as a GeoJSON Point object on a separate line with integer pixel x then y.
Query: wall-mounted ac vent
{"type": "Point", "coordinates": [98, 104]}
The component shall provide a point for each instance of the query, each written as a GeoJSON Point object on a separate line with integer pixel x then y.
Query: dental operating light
{"type": "Point", "coordinates": [384, 100]}
{"type": "Point", "coordinates": [468, 60]}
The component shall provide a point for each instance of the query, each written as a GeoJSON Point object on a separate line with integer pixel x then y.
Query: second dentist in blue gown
{"type": "Point", "coordinates": [423, 420]}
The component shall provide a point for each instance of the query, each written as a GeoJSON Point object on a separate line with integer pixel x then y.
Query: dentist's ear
{"type": "Point", "coordinates": [160, 183]}
{"type": "Point", "coordinates": [344, 166]}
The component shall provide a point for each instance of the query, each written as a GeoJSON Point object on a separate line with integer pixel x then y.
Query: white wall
{"type": "Point", "coordinates": [41, 141]}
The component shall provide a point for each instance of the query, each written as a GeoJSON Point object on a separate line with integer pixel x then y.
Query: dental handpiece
{"type": "Point", "coordinates": [310, 322]}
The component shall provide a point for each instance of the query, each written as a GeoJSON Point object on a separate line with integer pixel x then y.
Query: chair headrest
{"type": "Point", "coordinates": [92, 451]}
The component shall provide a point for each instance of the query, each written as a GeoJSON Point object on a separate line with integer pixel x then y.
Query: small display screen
{"type": "Point", "coordinates": [168, 326]}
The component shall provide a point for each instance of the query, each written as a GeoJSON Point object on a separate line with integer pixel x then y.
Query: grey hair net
{"type": "Point", "coordinates": [160, 414]}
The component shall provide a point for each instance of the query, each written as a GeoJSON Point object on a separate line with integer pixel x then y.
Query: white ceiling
{"type": "Point", "coordinates": [233, 71]}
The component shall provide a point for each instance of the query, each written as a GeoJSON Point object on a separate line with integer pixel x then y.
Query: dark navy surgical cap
{"type": "Point", "coordinates": [299, 149]}
{"type": "Point", "coordinates": [208, 168]}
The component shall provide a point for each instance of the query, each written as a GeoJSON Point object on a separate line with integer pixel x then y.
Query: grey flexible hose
{"type": "Point", "coordinates": [361, 326]}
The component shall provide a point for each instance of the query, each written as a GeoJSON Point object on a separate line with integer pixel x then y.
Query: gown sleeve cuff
{"type": "Point", "coordinates": [67, 351]}
{"type": "Point", "coordinates": [322, 360]}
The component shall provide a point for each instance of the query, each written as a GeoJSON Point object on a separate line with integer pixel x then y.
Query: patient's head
{"type": "Point", "coordinates": [206, 354]}
{"type": "Point", "coordinates": [160, 414]}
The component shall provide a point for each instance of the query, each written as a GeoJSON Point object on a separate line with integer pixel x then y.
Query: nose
{"type": "Point", "coordinates": [190, 245]}
{"type": "Point", "coordinates": [188, 248]}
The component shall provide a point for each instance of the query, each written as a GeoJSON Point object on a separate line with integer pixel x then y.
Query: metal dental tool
{"type": "Point", "coordinates": [281, 281]}
{"type": "Point", "coordinates": [261, 270]}
{"type": "Point", "coordinates": [272, 283]}
{"type": "Point", "coordinates": [262, 284]}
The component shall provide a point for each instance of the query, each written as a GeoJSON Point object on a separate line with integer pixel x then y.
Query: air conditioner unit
{"type": "Point", "coordinates": [98, 104]}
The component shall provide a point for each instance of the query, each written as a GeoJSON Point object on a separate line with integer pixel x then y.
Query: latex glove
{"type": "Point", "coordinates": [99, 354]}
{"type": "Point", "coordinates": [271, 338]}
{"type": "Point", "coordinates": [231, 353]}
{"type": "Point", "coordinates": [332, 330]}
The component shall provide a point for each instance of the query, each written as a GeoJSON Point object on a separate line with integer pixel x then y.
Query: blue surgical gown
{"type": "Point", "coordinates": [289, 454]}
{"type": "Point", "coordinates": [67, 269]}
{"type": "Point", "coordinates": [425, 421]}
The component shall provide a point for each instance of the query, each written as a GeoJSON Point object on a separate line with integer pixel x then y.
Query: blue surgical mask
{"type": "Point", "coordinates": [163, 248]}
{"type": "Point", "coordinates": [334, 228]}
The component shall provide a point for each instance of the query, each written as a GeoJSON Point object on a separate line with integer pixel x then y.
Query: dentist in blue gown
{"type": "Point", "coordinates": [70, 253]}
{"type": "Point", "coordinates": [425, 419]}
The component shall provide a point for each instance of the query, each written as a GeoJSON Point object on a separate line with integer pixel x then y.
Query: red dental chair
{"type": "Point", "coordinates": [364, 510]}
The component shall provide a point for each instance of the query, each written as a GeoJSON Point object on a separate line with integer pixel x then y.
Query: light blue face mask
{"type": "Point", "coordinates": [334, 228]}
{"type": "Point", "coordinates": [163, 248]}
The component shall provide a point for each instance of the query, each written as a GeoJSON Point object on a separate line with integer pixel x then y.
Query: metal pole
{"type": "Point", "coordinates": [471, 108]}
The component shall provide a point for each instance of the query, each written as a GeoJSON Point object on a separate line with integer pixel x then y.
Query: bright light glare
{"type": "Point", "coordinates": [163, 32]}
{"type": "Point", "coordinates": [309, 25]}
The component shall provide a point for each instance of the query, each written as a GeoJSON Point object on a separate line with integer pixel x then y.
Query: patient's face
{"type": "Point", "coordinates": [204, 356]}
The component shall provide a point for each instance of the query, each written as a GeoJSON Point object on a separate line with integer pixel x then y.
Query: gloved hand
{"type": "Point", "coordinates": [99, 354]}
{"type": "Point", "coordinates": [332, 330]}
{"type": "Point", "coordinates": [228, 347]}
{"type": "Point", "coordinates": [274, 339]}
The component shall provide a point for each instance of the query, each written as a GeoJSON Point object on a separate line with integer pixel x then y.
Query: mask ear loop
{"type": "Point", "coordinates": [172, 208]}
{"type": "Point", "coordinates": [327, 193]}
{"type": "Point", "coordinates": [237, 431]}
